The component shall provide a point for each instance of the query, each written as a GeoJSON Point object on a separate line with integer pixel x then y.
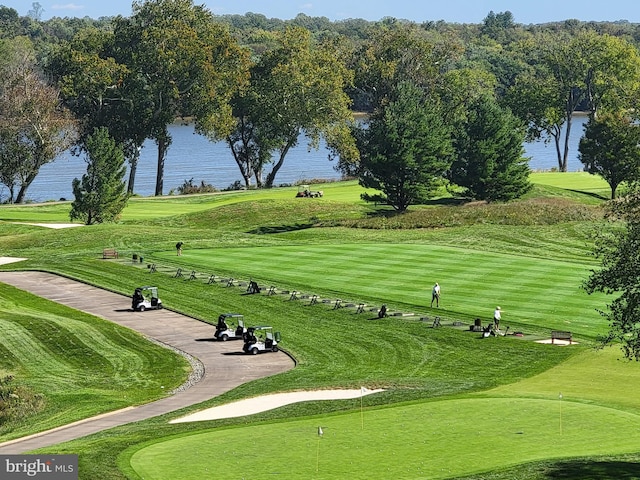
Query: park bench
{"type": "Point", "coordinates": [561, 335]}
{"type": "Point", "coordinates": [109, 253]}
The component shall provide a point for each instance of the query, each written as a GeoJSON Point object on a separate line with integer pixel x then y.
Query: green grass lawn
{"type": "Point", "coordinates": [70, 365]}
{"type": "Point", "coordinates": [575, 409]}
{"type": "Point", "coordinates": [449, 394]}
{"type": "Point", "coordinates": [536, 292]}
{"type": "Point", "coordinates": [574, 182]}
{"type": "Point", "coordinates": [443, 439]}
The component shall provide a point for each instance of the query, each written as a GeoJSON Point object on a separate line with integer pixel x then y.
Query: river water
{"type": "Point", "coordinates": [193, 156]}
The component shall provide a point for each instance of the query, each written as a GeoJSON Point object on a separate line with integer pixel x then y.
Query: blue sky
{"type": "Point", "coordinates": [455, 11]}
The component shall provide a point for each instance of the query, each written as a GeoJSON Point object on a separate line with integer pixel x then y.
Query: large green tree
{"type": "Point", "coordinates": [396, 53]}
{"type": "Point", "coordinates": [34, 126]}
{"type": "Point", "coordinates": [489, 160]}
{"type": "Point", "coordinates": [610, 148]}
{"type": "Point", "coordinates": [181, 63]}
{"type": "Point", "coordinates": [100, 196]}
{"type": "Point", "coordinates": [296, 86]}
{"type": "Point", "coordinates": [619, 274]}
{"type": "Point", "coordinates": [102, 93]}
{"type": "Point", "coordinates": [405, 150]}
{"type": "Point", "coordinates": [587, 70]}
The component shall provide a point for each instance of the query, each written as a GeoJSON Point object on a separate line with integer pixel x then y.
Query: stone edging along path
{"type": "Point", "coordinates": [223, 368]}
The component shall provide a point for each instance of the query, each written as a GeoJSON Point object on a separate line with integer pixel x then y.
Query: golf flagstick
{"type": "Point", "coordinates": [320, 433]}
{"type": "Point", "coordinates": [560, 397]}
{"type": "Point", "coordinates": [363, 391]}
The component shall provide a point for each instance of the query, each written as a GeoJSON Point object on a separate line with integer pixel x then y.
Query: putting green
{"type": "Point", "coordinates": [598, 376]}
{"type": "Point", "coordinates": [433, 439]}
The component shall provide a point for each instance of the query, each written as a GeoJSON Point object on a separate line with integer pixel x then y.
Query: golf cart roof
{"type": "Point", "coordinates": [146, 287]}
{"type": "Point", "coordinates": [231, 315]}
{"type": "Point", "coordinates": [261, 327]}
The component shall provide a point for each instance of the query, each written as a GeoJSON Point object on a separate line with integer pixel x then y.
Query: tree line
{"type": "Point", "coordinates": [447, 104]}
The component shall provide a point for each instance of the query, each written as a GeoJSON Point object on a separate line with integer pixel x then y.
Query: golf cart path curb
{"type": "Point", "coordinates": [224, 367]}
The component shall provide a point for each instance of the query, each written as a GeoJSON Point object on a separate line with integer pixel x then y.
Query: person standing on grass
{"type": "Point", "coordinates": [496, 318]}
{"type": "Point", "coordinates": [435, 295]}
{"type": "Point", "coordinates": [179, 248]}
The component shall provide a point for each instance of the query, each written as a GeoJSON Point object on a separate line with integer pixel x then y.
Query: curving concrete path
{"type": "Point", "coordinates": [224, 366]}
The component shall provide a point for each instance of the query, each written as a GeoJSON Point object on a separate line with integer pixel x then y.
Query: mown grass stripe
{"type": "Point", "coordinates": [536, 291]}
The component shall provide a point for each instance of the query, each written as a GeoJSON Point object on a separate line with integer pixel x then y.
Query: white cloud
{"type": "Point", "coordinates": [68, 6]}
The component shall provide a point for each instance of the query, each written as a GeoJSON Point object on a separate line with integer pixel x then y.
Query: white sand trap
{"type": "Point", "coordinates": [250, 406]}
{"type": "Point", "coordinates": [562, 343]}
{"type": "Point", "coordinates": [57, 225]}
{"type": "Point", "coordinates": [5, 260]}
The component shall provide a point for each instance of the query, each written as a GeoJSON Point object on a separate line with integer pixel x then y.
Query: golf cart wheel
{"type": "Point", "coordinates": [224, 338]}
{"type": "Point", "coordinates": [141, 309]}
{"type": "Point", "coordinates": [254, 351]}
{"type": "Point", "coordinates": [274, 349]}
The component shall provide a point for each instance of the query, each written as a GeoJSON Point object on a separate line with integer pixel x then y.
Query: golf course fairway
{"type": "Point", "coordinates": [513, 424]}
{"type": "Point", "coordinates": [437, 439]}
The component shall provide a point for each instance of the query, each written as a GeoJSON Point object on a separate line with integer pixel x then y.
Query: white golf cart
{"type": "Point", "coordinates": [146, 298]}
{"type": "Point", "coordinates": [230, 326]}
{"type": "Point", "coordinates": [260, 339]}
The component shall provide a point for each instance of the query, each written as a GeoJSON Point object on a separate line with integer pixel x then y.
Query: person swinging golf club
{"type": "Point", "coordinates": [435, 295]}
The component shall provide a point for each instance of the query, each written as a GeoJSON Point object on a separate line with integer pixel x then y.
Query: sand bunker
{"type": "Point", "coordinates": [561, 343]}
{"type": "Point", "coordinates": [56, 225]}
{"type": "Point", "coordinates": [254, 405]}
{"type": "Point", "coordinates": [5, 260]}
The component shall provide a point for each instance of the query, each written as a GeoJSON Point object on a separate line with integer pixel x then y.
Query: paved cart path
{"type": "Point", "coordinates": [224, 368]}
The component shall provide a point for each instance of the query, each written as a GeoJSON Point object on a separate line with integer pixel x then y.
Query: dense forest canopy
{"type": "Point", "coordinates": [259, 83]}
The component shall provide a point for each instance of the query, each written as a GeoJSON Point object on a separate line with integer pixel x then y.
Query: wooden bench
{"type": "Point", "coordinates": [109, 253]}
{"type": "Point", "coordinates": [561, 335]}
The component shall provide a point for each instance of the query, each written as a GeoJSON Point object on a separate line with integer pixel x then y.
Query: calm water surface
{"type": "Point", "coordinates": [192, 156]}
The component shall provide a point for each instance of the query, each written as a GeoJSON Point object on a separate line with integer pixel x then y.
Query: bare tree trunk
{"type": "Point", "coordinates": [271, 176]}
{"type": "Point", "coordinates": [242, 162]}
{"type": "Point", "coordinates": [133, 162]}
{"type": "Point", "coordinates": [22, 191]}
{"type": "Point", "coordinates": [567, 133]}
{"type": "Point", "coordinates": [556, 142]}
{"type": "Point", "coordinates": [163, 142]}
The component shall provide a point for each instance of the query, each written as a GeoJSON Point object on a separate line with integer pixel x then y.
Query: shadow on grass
{"type": "Point", "coordinates": [589, 194]}
{"type": "Point", "coordinates": [389, 212]}
{"type": "Point", "coordinates": [280, 228]}
{"type": "Point", "coordinates": [586, 470]}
